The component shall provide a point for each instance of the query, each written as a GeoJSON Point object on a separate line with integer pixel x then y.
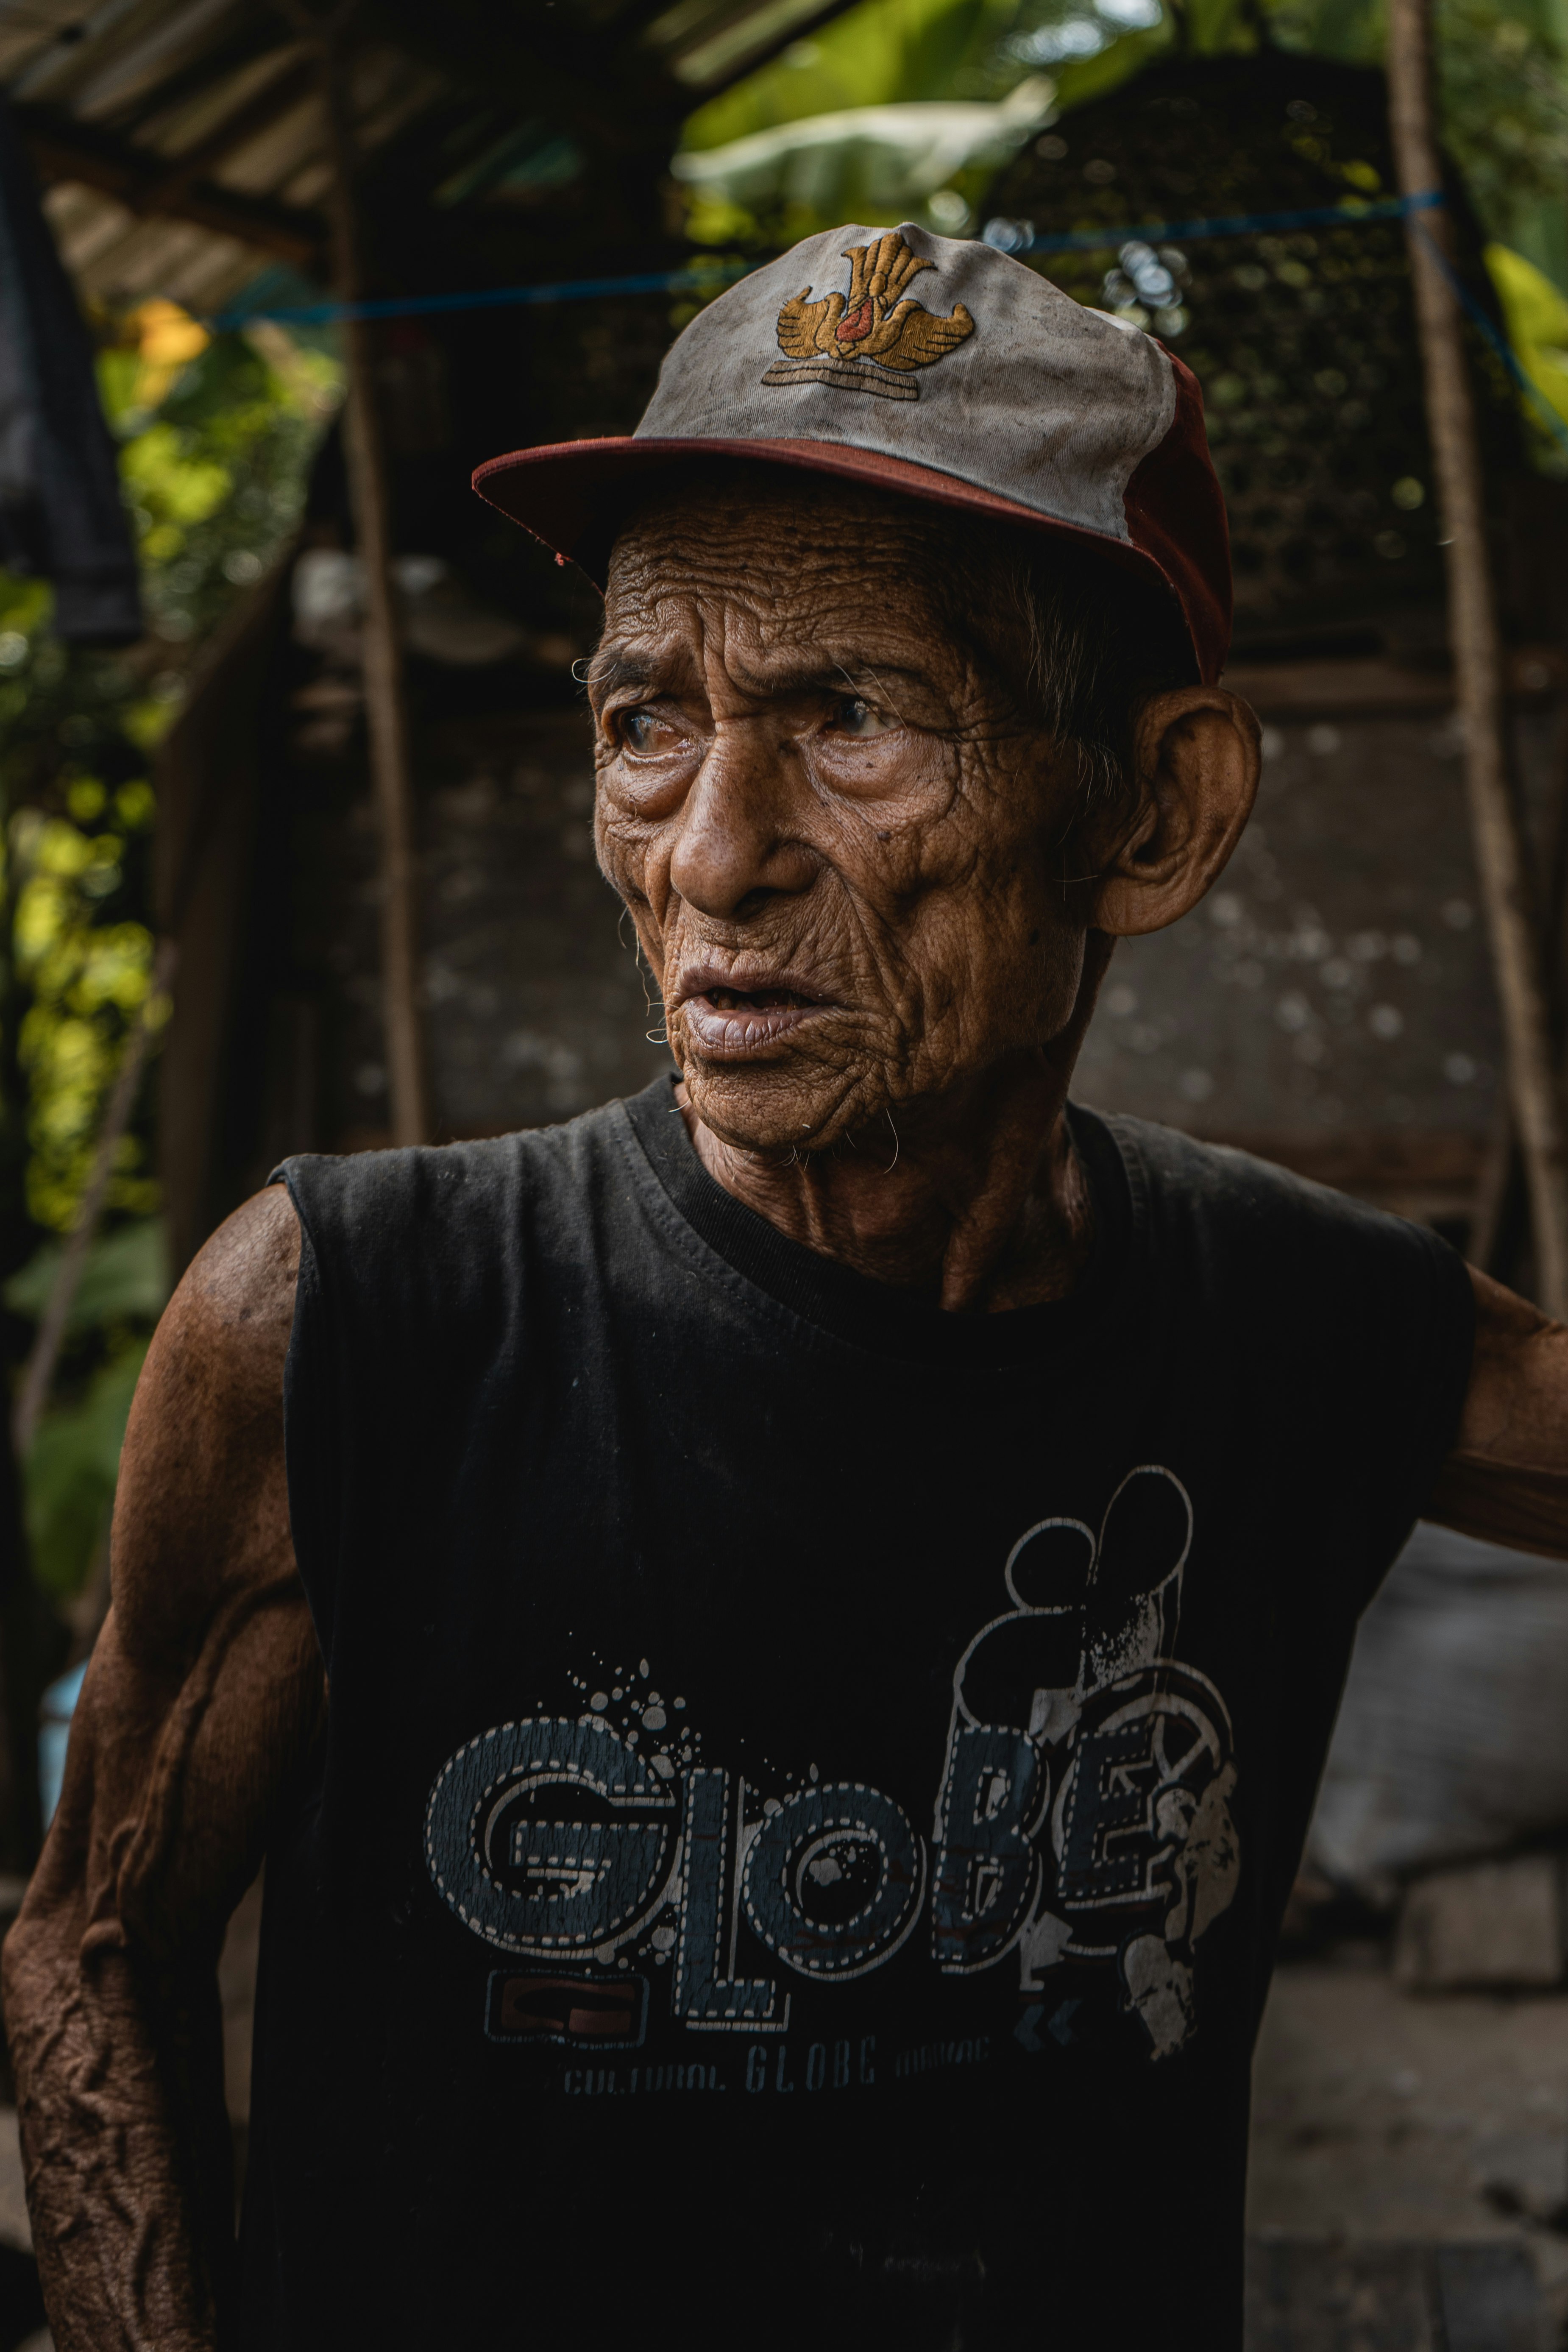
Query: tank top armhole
{"type": "Point", "coordinates": [309, 1420]}
{"type": "Point", "coordinates": [1440, 1365]}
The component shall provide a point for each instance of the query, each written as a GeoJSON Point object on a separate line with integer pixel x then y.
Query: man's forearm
{"type": "Point", "coordinates": [129, 2170]}
{"type": "Point", "coordinates": [1502, 1504]}
{"type": "Point", "coordinates": [1506, 1480]}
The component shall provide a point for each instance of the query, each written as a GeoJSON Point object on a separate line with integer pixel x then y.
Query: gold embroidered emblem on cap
{"type": "Point", "coordinates": [873, 338]}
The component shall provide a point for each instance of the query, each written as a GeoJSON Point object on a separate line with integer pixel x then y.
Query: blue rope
{"type": "Point", "coordinates": [700, 279]}
{"type": "Point", "coordinates": [1095, 240]}
{"type": "Point", "coordinates": [1083, 240]}
{"type": "Point", "coordinates": [489, 297]}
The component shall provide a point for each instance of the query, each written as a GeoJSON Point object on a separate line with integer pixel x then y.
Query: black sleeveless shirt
{"type": "Point", "coordinates": [811, 1782]}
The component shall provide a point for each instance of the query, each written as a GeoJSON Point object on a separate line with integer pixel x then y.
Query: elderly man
{"type": "Point", "coordinates": [776, 1640]}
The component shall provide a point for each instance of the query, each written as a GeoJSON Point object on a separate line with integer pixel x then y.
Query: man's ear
{"type": "Point", "coordinates": [1198, 763]}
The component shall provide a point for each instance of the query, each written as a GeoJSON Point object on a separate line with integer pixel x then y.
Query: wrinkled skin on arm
{"type": "Point", "coordinates": [198, 1715]}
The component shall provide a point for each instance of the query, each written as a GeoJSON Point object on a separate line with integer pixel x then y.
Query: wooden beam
{"type": "Point", "coordinates": [259, 113]}
{"type": "Point", "coordinates": [203, 73]}
{"type": "Point", "coordinates": [1375, 687]}
{"type": "Point", "coordinates": [63, 149]}
{"type": "Point", "coordinates": [387, 708]}
{"type": "Point", "coordinates": [1478, 661]}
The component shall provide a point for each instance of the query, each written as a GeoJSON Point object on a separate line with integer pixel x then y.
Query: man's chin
{"type": "Point", "coordinates": [769, 1107]}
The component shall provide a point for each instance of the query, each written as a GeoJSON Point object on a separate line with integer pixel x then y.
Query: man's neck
{"type": "Point", "coordinates": [981, 1199]}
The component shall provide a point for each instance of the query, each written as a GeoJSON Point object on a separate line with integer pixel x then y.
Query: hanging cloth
{"type": "Point", "coordinates": [61, 515]}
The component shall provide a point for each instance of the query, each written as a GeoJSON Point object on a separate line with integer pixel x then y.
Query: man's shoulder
{"type": "Point", "coordinates": [444, 1180]}
{"type": "Point", "coordinates": [454, 1233]}
{"type": "Point", "coordinates": [1187, 1182]}
{"type": "Point", "coordinates": [1195, 1164]}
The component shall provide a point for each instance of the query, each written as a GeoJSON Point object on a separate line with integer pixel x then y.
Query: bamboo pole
{"type": "Point", "coordinates": [386, 710]}
{"type": "Point", "coordinates": [1478, 658]}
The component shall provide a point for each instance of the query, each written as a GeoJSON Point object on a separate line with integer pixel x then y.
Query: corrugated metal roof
{"type": "Point", "coordinates": [184, 145]}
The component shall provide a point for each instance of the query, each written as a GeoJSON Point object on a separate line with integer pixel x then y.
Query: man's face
{"type": "Point", "coordinates": [848, 855]}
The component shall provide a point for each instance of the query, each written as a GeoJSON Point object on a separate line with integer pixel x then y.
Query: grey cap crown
{"type": "Point", "coordinates": [1044, 402]}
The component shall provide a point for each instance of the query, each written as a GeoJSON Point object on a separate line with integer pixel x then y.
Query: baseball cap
{"type": "Point", "coordinates": [933, 366]}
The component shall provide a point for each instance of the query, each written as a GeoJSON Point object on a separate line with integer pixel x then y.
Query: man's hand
{"type": "Point", "coordinates": [200, 1709]}
{"type": "Point", "coordinates": [1506, 1477]}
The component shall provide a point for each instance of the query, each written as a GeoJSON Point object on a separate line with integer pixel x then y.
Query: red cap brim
{"type": "Point", "coordinates": [574, 494]}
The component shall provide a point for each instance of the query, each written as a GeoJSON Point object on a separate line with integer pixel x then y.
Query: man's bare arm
{"type": "Point", "coordinates": [1506, 1477]}
{"type": "Point", "coordinates": [200, 1707]}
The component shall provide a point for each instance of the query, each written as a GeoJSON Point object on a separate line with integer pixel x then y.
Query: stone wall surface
{"type": "Point", "coordinates": [535, 1001]}
{"type": "Point", "coordinates": [1336, 981]}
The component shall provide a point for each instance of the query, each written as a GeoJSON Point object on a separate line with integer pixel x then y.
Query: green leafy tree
{"type": "Point", "coordinates": [217, 435]}
{"type": "Point", "coordinates": [1502, 79]}
{"type": "Point", "coordinates": [1502, 84]}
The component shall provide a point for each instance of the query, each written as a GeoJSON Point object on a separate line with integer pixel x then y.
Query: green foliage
{"type": "Point", "coordinates": [1537, 319]}
{"type": "Point", "coordinates": [930, 161]}
{"type": "Point", "coordinates": [69, 1475]}
{"type": "Point", "coordinates": [216, 437]}
{"type": "Point", "coordinates": [215, 471]}
{"type": "Point", "coordinates": [69, 1487]}
{"type": "Point", "coordinates": [883, 51]}
{"type": "Point", "coordinates": [87, 980]}
{"type": "Point", "coordinates": [126, 1279]}
{"type": "Point", "coordinates": [1083, 79]}
{"type": "Point", "coordinates": [1502, 75]}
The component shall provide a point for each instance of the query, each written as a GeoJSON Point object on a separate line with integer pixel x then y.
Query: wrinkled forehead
{"type": "Point", "coordinates": [804, 556]}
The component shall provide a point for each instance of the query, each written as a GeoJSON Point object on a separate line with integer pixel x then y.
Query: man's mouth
{"type": "Point", "coordinates": [753, 1000]}
{"type": "Point", "coordinates": [728, 1023]}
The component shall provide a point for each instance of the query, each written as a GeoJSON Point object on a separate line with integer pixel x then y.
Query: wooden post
{"type": "Point", "coordinates": [1478, 660]}
{"type": "Point", "coordinates": [386, 711]}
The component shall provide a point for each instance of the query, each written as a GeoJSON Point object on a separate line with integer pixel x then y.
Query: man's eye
{"type": "Point", "coordinates": [643, 730]}
{"type": "Point", "coordinates": [856, 717]}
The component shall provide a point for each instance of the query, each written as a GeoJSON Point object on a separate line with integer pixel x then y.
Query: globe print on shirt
{"type": "Point", "coordinates": [1082, 1816]}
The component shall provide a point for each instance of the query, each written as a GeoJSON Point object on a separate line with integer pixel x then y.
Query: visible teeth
{"type": "Point", "coordinates": [758, 1000]}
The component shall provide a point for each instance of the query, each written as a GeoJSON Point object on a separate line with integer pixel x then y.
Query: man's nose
{"type": "Point", "coordinates": [736, 838]}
